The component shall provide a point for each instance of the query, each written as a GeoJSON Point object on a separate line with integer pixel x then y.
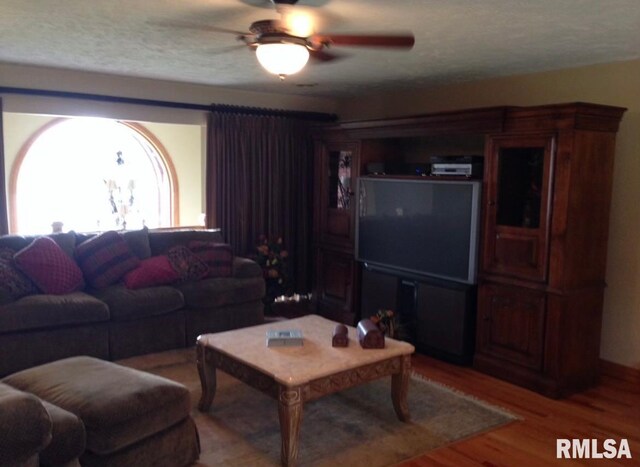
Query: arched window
{"type": "Point", "coordinates": [91, 174]}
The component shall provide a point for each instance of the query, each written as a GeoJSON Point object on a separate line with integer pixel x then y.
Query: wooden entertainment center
{"type": "Point", "coordinates": [546, 193]}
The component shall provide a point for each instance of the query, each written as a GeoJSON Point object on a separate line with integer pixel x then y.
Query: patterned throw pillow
{"type": "Point", "coordinates": [217, 256]}
{"type": "Point", "coordinates": [13, 283]}
{"type": "Point", "coordinates": [188, 266]}
{"type": "Point", "coordinates": [50, 268]}
{"type": "Point", "coordinates": [156, 270]}
{"type": "Point", "coordinates": [105, 259]}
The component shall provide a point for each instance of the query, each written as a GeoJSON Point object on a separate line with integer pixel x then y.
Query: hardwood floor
{"type": "Point", "coordinates": [610, 410]}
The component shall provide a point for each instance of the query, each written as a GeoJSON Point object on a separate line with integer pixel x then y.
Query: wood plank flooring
{"type": "Point", "coordinates": [610, 410]}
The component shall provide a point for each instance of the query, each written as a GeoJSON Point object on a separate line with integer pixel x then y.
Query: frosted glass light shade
{"type": "Point", "coordinates": [282, 59]}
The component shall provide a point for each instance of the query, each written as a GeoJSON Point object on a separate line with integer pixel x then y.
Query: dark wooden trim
{"type": "Point", "coordinates": [621, 372]}
{"type": "Point", "coordinates": [315, 116]}
{"type": "Point", "coordinates": [103, 98]}
{"type": "Point", "coordinates": [480, 121]}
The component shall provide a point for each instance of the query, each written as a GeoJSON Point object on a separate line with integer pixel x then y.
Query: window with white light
{"type": "Point", "coordinates": [90, 174]}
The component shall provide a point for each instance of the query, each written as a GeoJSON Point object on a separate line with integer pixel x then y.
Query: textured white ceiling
{"type": "Point", "coordinates": [456, 40]}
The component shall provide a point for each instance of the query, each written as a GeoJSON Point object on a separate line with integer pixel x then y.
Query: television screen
{"type": "Point", "coordinates": [424, 227]}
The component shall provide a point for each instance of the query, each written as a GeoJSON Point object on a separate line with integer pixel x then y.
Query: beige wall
{"type": "Point", "coordinates": [613, 84]}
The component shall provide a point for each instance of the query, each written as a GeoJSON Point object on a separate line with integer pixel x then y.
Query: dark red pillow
{"type": "Point", "coordinates": [105, 259]}
{"type": "Point", "coordinates": [156, 270]}
{"type": "Point", "coordinates": [217, 256]}
{"type": "Point", "coordinates": [50, 268]}
{"type": "Point", "coordinates": [188, 266]}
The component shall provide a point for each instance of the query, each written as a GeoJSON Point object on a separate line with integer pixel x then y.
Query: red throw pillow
{"type": "Point", "coordinates": [50, 268]}
{"type": "Point", "coordinates": [105, 259]}
{"type": "Point", "coordinates": [188, 266]}
{"type": "Point", "coordinates": [156, 270]}
{"type": "Point", "coordinates": [218, 256]}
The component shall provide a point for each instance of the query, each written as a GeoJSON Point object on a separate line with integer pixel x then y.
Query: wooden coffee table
{"type": "Point", "coordinates": [294, 375]}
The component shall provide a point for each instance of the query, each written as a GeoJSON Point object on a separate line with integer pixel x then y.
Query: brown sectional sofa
{"type": "Point", "coordinates": [117, 322]}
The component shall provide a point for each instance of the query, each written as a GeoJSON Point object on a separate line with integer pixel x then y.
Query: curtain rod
{"type": "Point", "coordinates": [318, 116]}
{"type": "Point", "coordinates": [303, 115]}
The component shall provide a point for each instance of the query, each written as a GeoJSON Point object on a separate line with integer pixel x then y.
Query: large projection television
{"type": "Point", "coordinates": [419, 227]}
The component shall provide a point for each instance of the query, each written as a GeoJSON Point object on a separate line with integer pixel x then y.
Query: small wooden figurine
{"type": "Point", "coordinates": [340, 336]}
{"type": "Point", "coordinates": [369, 335]}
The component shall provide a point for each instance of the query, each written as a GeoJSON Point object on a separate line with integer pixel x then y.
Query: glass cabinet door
{"type": "Point", "coordinates": [340, 190]}
{"type": "Point", "coordinates": [518, 196]}
{"type": "Point", "coordinates": [519, 189]}
{"type": "Point", "coordinates": [337, 191]}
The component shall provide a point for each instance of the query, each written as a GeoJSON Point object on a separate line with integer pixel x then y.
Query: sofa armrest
{"type": "Point", "coordinates": [25, 427]}
{"type": "Point", "coordinates": [244, 268]}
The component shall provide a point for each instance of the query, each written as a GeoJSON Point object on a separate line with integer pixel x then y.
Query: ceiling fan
{"type": "Point", "coordinates": [284, 46]}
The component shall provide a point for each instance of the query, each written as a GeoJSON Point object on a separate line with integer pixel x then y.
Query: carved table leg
{"type": "Point", "coordinates": [400, 388]}
{"type": "Point", "coordinates": [207, 372]}
{"type": "Point", "coordinates": [290, 413]}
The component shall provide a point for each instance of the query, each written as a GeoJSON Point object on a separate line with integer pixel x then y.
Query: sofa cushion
{"type": "Point", "coordinates": [66, 241]}
{"type": "Point", "coordinates": [119, 406]}
{"type": "Point", "coordinates": [221, 291]}
{"type": "Point", "coordinates": [14, 242]}
{"type": "Point", "coordinates": [25, 426]}
{"type": "Point", "coordinates": [49, 311]}
{"type": "Point", "coordinates": [105, 258]}
{"type": "Point", "coordinates": [161, 241]}
{"type": "Point", "coordinates": [188, 266]}
{"type": "Point", "coordinates": [138, 241]}
{"type": "Point", "coordinates": [14, 284]}
{"type": "Point", "coordinates": [68, 437]}
{"type": "Point", "coordinates": [49, 267]}
{"type": "Point", "coordinates": [244, 268]}
{"type": "Point", "coordinates": [127, 303]}
{"type": "Point", "coordinates": [217, 256]}
{"type": "Point", "coordinates": [156, 270]}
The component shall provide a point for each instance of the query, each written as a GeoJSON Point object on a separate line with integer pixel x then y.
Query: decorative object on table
{"type": "Point", "coordinates": [285, 338]}
{"type": "Point", "coordinates": [386, 322]}
{"type": "Point", "coordinates": [369, 335]}
{"type": "Point", "coordinates": [340, 336]}
{"type": "Point", "coordinates": [272, 258]}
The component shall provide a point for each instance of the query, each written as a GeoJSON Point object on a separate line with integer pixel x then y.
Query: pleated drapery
{"type": "Point", "coordinates": [259, 181]}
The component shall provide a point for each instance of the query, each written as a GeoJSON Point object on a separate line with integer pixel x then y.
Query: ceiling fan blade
{"type": "Point", "coordinates": [200, 27]}
{"type": "Point", "coordinates": [400, 41]}
{"type": "Point", "coordinates": [276, 3]}
{"type": "Point", "coordinates": [225, 50]}
{"type": "Point", "coordinates": [324, 56]}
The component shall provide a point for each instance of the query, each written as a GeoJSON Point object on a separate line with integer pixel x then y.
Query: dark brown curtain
{"type": "Point", "coordinates": [259, 181]}
{"type": "Point", "coordinates": [4, 221]}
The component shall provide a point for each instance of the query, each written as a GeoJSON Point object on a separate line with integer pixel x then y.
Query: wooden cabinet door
{"type": "Point", "coordinates": [517, 212]}
{"type": "Point", "coordinates": [338, 174]}
{"type": "Point", "coordinates": [511, 324]}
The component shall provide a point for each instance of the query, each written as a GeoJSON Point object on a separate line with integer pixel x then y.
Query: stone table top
{"type": "Point", "coordinates": [293, 366]}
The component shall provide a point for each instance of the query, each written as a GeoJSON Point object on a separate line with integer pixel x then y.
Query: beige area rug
{"type": "Point", "coordinates": [357, 427]}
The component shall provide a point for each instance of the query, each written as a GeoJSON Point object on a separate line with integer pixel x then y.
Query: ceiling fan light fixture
{"type": "Point", "coordinates": [282, 58]}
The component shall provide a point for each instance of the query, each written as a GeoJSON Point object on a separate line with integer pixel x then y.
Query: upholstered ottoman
{"type": "Point", "coordinates": [131, 418]}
